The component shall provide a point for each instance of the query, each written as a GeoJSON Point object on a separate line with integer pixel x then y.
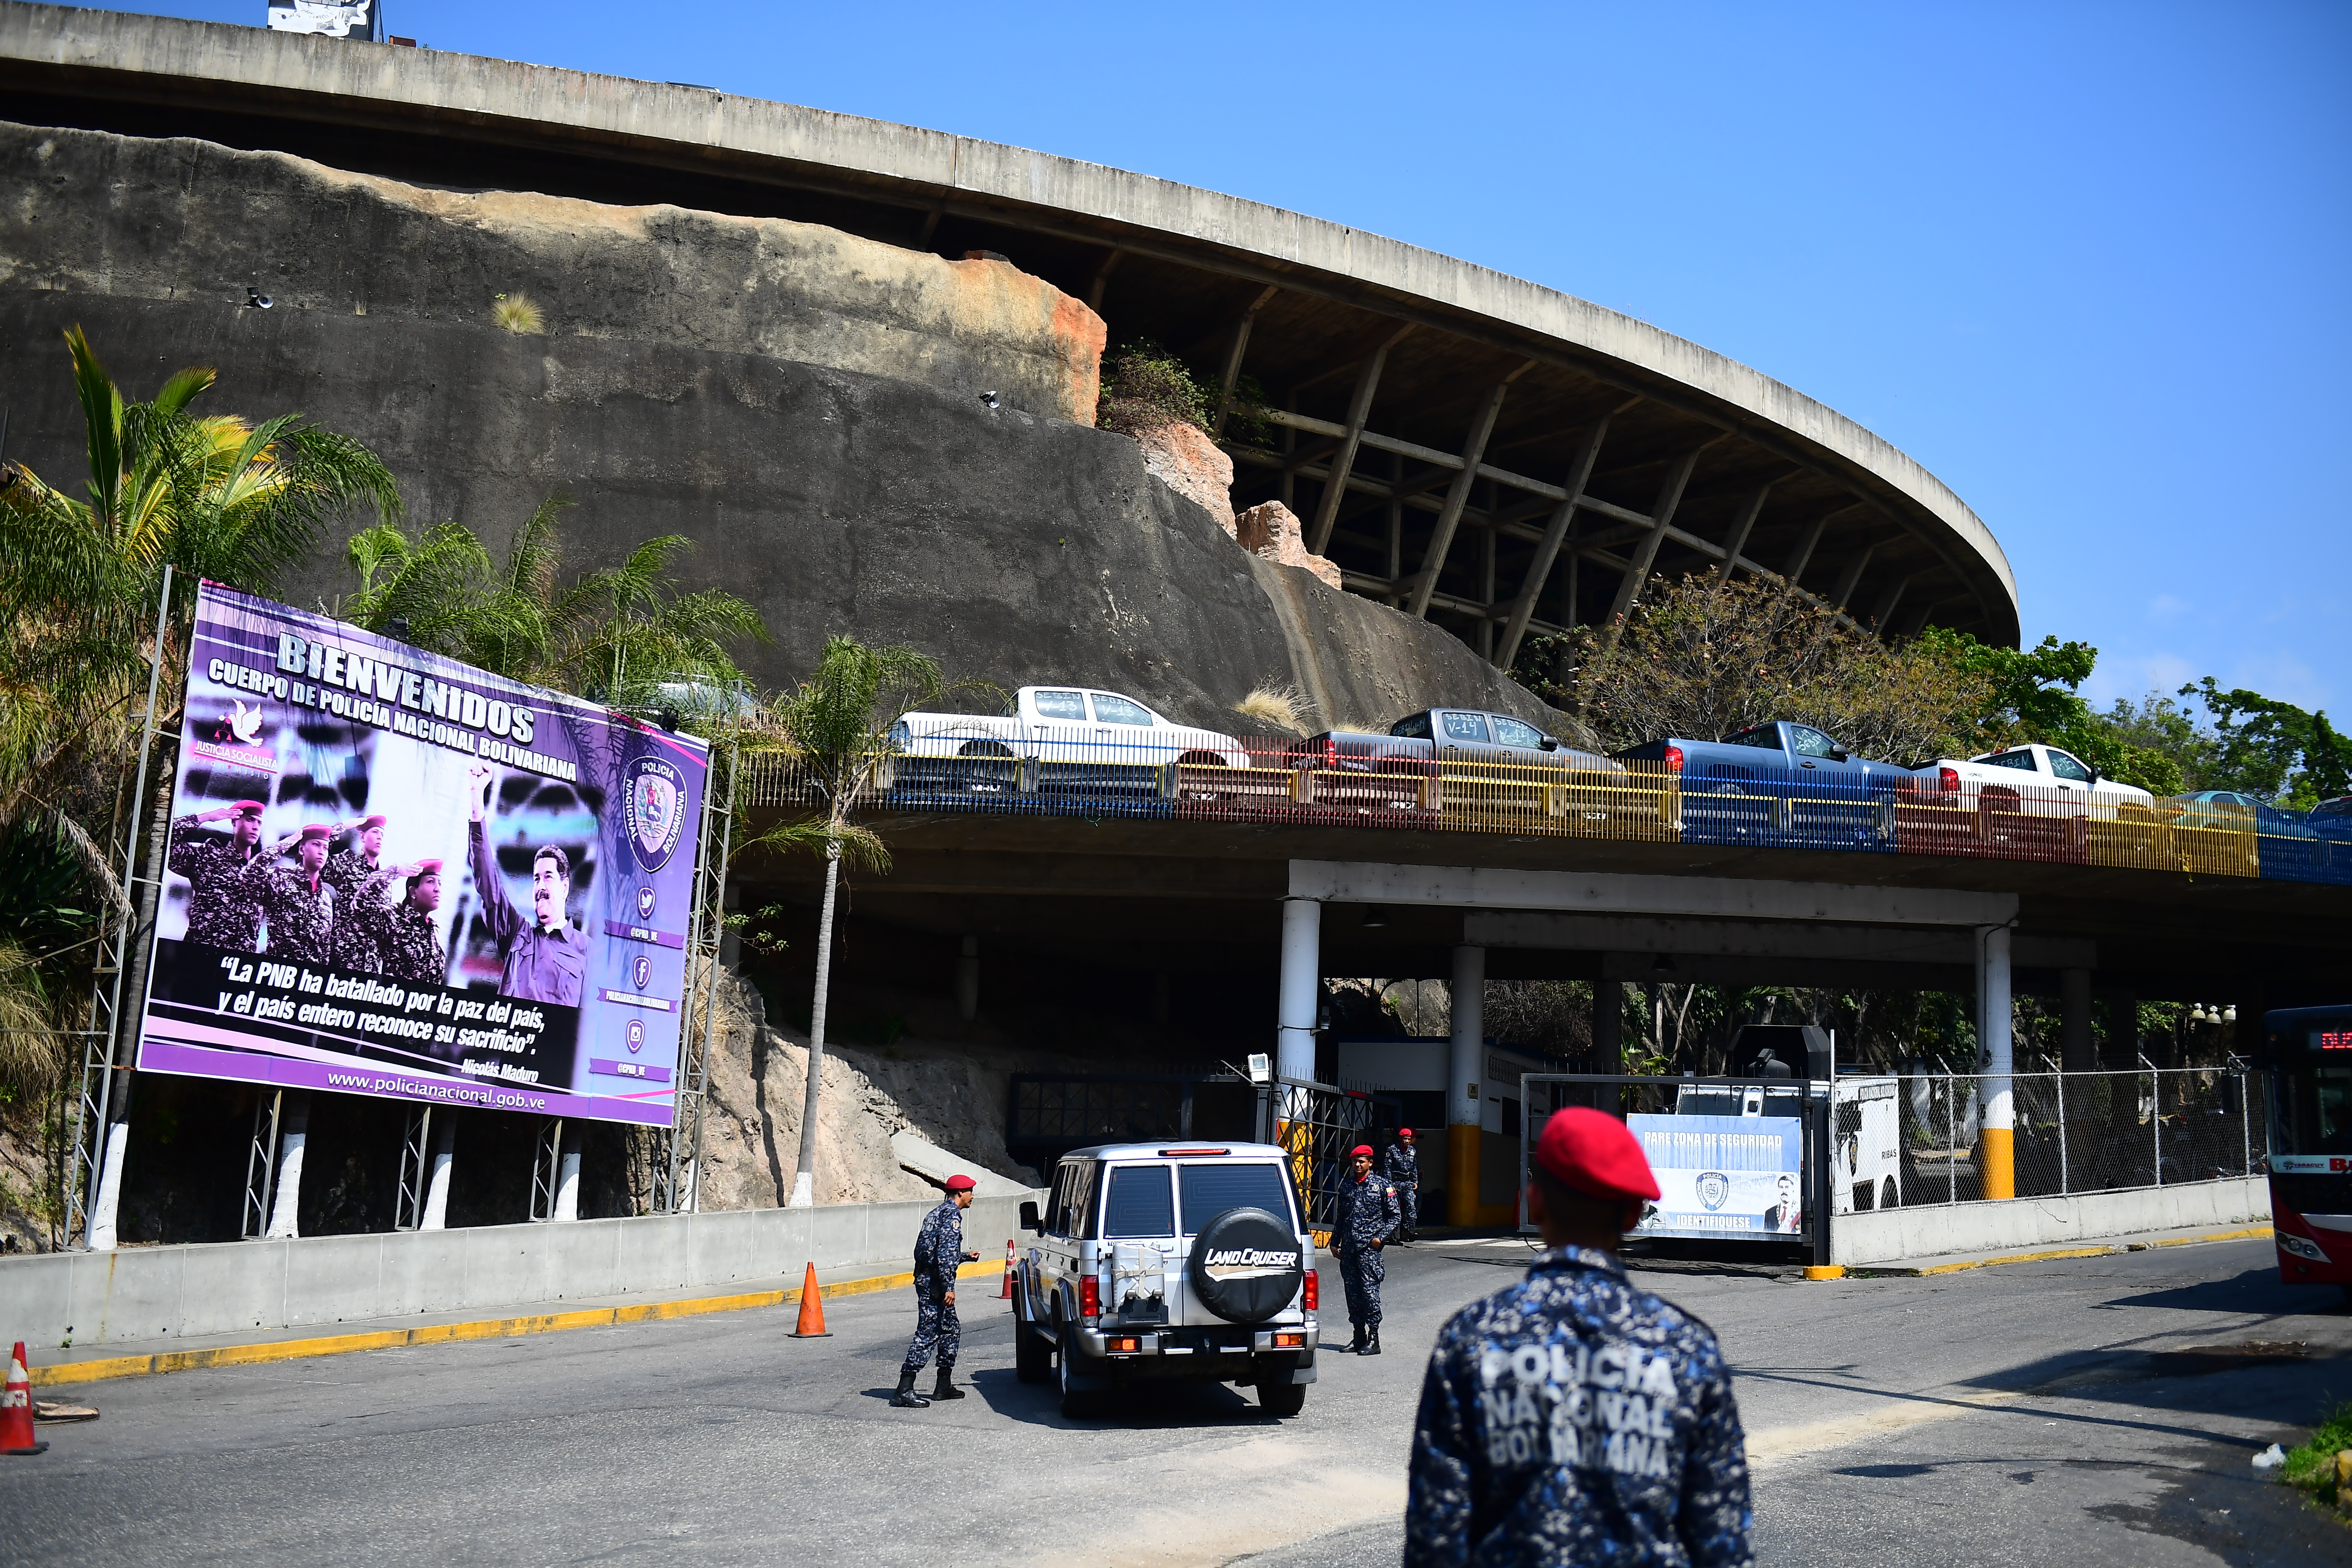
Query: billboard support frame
{"type": "Point", "coordinates": [261, 1166]}
{"type": "Point", "coordinates": [94, 1096]}
{"type": "Point", "coordinates": [706, 934]}
{"type": "Point", "coordinates": [415, 1163]}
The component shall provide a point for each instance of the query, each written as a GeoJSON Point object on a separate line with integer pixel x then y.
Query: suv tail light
{"type": "Point", "coordinates": [1307, 1293]}
{"type": "Point", "coordinates": [1089, 1297]}
{"type": "Point", "coordinates": [1948, 779]}
{"type": "Point", "coordinates": [1673, 759]}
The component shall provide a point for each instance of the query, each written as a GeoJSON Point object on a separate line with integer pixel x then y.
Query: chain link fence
{"type": "Point", "coordinates": [2082, 1131]}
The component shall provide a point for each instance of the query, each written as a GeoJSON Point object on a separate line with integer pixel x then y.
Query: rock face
{"type": "Point", "coordinates": [1270, 532]}
{"type": "Point", "coordinates": [190, 221]}
{"type": "Point", "coordinates": [825, 449]}
{"type": "Point", "coordinates": [1188, 462]}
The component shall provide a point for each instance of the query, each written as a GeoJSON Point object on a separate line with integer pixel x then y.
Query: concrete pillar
{"type": "Point", "coordinates": [437, 1183]}
{"type": "Point", "coordinates": [2077, 1051]}
{"type": "Point", "coordinates": [1607, 1025]}
{"type": "Point", "coordinates": [1465, 1094]}
{"type": "Point", "coordinates": [567, 1179]}
{"type": "Point", "coordinates": [1997, 1139]}
{"type": "Point", "coordinates": [1301, 988]}
{"type": "Point", "coordinates": [967, 984]}
{"type": "Point", "coordinates": [293, 1132]}
{"type": "Point", "coordinates": [106, 1205]}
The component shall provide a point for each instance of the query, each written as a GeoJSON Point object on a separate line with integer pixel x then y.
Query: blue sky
{"type": "Point", "coordinates": [2088, 263]}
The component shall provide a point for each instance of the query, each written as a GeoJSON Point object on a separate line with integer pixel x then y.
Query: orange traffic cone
{"type": "Point", "coordinates": [1006, 1294]}
{"type": "Point", "coordinates": [812, 1323]}
{"type": "Point", "coordinates": [17, 1409]}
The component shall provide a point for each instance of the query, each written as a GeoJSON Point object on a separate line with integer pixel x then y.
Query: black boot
{"type": "Point", "coordinates": [1372, 1341]}
{"type": "Point", "coordinates": [1357, 1342]}
{"type": "Point", "coordinates": [907, 1398]}
{"type": "Point", "coordinates": [943, 1389]}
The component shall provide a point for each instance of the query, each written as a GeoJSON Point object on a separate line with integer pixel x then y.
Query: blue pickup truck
{"type": "Point", "coordinates": [1780, 783]}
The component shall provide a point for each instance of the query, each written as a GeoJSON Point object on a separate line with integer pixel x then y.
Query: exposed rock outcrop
{"type": "Point", "coordinates": [1188, 462]}
{"type": "Point", "coordinates": [1270, 531]}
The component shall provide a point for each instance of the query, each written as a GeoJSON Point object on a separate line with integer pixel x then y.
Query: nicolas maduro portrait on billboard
{"type": "Point", "coordinates": [392, 874]}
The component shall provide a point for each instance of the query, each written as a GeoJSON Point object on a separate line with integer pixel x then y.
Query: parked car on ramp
{"type": "Point", "coordinates": [1781, 783]}
{"type": "Point", "coordinates": [2035, 780]}
{"type": "Point", "coordinates": [1056, 737]}
{"type": "Point", "coordinates": [1470, 747]}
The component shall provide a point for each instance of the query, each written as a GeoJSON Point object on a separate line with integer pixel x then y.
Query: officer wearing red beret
{"type": "Point", "coordinates": [1366, 1222]}
{"type": "Point", "coordinates": [1575, 1417]}
{"type": "Point", "coordinates": [939, 1253]}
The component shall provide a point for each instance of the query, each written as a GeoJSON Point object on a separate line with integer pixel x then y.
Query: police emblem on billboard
{"type": "Point", "coordinates": [641, 973]}
{"type": "Point", "coordinates": [654, 810]}
{"type": "Point", "coordinates": [1714, 1187]}
{"type": "Point", "coordinates": [636, 1036]}
{"type": "Point", "coordinates": [645, 903]}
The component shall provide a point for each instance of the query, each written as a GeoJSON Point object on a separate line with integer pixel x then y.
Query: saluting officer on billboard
{"type": "Point", "coordinates": [411, 942]}
{"type": "Point", "coordinates": [297, 901]}
{"type": "Point", "coordinates": [542, 959]}
{"type": "Point", "coordinates": [223, 875]}
{"type": "Point", "coordinates": [360, 908]}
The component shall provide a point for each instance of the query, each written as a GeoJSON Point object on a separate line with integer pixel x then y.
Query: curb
{"type": "Point", "coordinates": [2053, 1254]}
{"type": "Point", "coordinates": [100, 1369]}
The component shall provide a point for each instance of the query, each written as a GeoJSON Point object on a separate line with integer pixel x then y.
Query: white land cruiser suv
{"type": "Point", "coordinates": [1184, 1262]}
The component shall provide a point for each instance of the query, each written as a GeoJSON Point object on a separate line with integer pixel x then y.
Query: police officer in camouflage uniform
{"type": "Point", "coordinates": [297, 901]}
{"type": "Point", "coordinates": [360, 884]}
{"type": "Point", "coordinates": [1401, 1166]}
{"type": "Point", "coordinates": [1367, 1220]}
{"type": "Point", "coordinates": [1574, 1417]}
{"type": "Point", "coordinates": [223, 875]}
{"type": "Point", "coordinates": [939, 1253]}
{"type": "Point", "coordinates": [411, 938]}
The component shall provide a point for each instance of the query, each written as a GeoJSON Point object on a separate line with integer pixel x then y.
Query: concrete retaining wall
{"type": "Point", "coordinates": [1926, 1232]}
{"type": "Point", "coordinates": [156, 1292]}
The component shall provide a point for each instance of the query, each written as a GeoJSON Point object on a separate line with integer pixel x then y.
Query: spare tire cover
{"type": "Point", "coordinates": [1246, 1266]}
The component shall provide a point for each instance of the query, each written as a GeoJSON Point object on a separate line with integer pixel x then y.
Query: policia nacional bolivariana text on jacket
{"type": "Point", "coordinates": [1575, 1417]}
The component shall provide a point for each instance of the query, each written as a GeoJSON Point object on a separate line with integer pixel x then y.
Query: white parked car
{"type": "Point", "coordinates": [2033, 780]}
{"type": "Point", "coordinates": [1057, 736]}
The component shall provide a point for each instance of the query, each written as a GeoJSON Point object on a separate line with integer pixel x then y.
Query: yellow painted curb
{"type": "Point", "coordinates": [2249, 1234]}
{"type": "Point", "coordinates": [1824, 1270]}
{"type": "Point", "coordinates": [2015, 1258]}
{"type": "Point", "coordinates": [100, 1369]}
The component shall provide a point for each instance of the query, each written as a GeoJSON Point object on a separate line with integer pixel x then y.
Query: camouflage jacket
{"type": "Point", "coordinates": [410, 942]}
{"type": "Point", "coordinates": [361, 909]}
{"type": "Point", "coordinates": [1401, 1165]}
{"type": "Point", "coordinates": [1369, 1212]}
{"type": "Point", "coordinates": [1575, 1417]}
{"type": "Point", "coordinates": [939, 1247]}
{"type": "Point", "coordinates": [224, 886]}
{"type": "Point", "coordinates": [301, 915]}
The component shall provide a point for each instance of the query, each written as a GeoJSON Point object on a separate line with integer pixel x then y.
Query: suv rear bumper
{"type": "Point", "coordinates": [1227, 1353]}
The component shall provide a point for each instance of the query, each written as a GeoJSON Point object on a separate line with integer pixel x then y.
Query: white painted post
{"type": "Point", "coordinates": [1302, 956]}
{"type": "Point", "coordinates": [108, 1201]}
{"type": "Point", "coordinates": [1997, 1136]}
{"type": "Point", "coordinates": [567, 1182]}
{"type": "Point", "coordinates": [295, 1131]}
{"type": "Point", "coordinates": [1464, 1093]}
{"type": "Point", "coordinates": [436, 1186]}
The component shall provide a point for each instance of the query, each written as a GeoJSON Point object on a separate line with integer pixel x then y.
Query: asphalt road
{"type": "Point", "coordinates": [2020, 1415]}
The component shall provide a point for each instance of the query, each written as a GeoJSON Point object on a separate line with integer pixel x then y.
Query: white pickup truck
{"type": "Point", "coordinates": [2033, 780]}
{"type": "Point", "coordinates": [1055, 735]}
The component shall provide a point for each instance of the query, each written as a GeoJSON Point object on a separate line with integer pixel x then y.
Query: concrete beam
{"type": "Point", "coordinates": [1706, 898]}
{"type": "Point", "coordinates": [1754, 939]}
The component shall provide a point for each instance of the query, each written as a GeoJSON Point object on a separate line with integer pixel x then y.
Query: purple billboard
{"type": "Point", "coordinates": [393, 875]}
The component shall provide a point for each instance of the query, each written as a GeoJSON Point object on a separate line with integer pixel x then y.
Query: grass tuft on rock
{"type": "Point", "coordinates": [1283, 707]}
{"type": "Point", "coordinates": [517, 313]}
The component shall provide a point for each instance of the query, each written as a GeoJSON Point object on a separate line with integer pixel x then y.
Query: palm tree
{"type": "Point", "coordinates": [213, 498]}
{"type": "Point", "coordinates": [835, 732]}
{"type": "Point", "coordinates": [620, 635]}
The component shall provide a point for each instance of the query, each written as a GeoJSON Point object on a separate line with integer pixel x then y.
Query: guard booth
{"type": "Point", "coordinates": [1741, 1161]}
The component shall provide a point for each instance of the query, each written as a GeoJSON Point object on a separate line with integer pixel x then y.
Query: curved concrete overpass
{"type": "Point", "coordinates": [1497, 456]}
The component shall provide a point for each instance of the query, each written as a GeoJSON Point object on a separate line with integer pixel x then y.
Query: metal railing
{"type": "Point", "coordinates": [1281, 781]}
{"type": "Point", "coordinates": [2083, 1131]}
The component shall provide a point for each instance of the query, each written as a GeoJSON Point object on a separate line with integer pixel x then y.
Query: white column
{"type": "Point", "coordinates": [1302, 935]}
{"type": "Point", "coordinates": [1465, 1094]}
{"type": "Point", "coordinates": [436, 1186]}
{"type": "Point", "coordinates": [296, 1133]}
{"type": "Point", "coordinates": [108, 1204]}
{"type": "Point", "coordinates": [567, 1182]}
{"type": "Point", "coordinates": [1994, 1015]}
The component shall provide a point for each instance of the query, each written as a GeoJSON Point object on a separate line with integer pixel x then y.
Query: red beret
{"type": "Point", "coordinates": [960, 1183]}
{"type": "Point", "coordinates": [367, 822]}
{"type": "Point", "coordinates": [428, 867]}
{"type": "Point", "coordinates": [1404, 1131]}
{"type": "Point", "coordinates": [1596, 1155]}
{"type": "Point", "coordinates": [316, 830]}
{"type": "Point", "coordinates": [1363, 1149]}
{"type": "Point", "coordinates": [248, 808]}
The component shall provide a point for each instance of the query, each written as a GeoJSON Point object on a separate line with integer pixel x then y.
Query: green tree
{"type": "Point", "coordinates": [2033, 694]}
{"type": "Point", "coordinates": [2266, 747]}
{"type": "Point", "coordinates": [833, 731]}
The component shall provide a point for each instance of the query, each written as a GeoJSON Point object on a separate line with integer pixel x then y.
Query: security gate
{"type": "Point", "coordinates": [1316, 1124]}
{"type": "Point", "coordinates": [1707, 1102]}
